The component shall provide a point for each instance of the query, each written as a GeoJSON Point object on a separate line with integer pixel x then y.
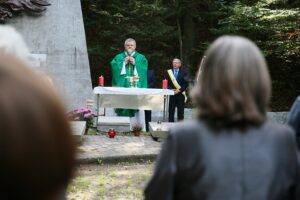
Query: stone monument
{"type": "Point", "coordinates": [57, 42]}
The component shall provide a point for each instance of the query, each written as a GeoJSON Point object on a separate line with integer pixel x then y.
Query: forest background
{"type": "Point", "coordinates": [165, 29]}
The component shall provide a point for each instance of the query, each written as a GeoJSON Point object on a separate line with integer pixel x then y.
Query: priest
{"type": "Point", "coordinates": [128, 64]}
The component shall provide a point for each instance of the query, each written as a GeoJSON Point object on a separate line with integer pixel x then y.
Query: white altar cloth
{"type": "Point", "coordinates": [132, 98]}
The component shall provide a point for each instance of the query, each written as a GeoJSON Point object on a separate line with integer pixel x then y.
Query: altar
{"type": "Point", "coordinates": [133, 98]}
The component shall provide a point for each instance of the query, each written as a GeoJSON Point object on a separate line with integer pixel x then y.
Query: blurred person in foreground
{"type": "Point", "coordinates": [37, 152]}
{"type": "Point", "coordinates": [294, 118]}
{"type": "Point", "coordinates": [231, 151]}
{"type": "Point", "coordinates": [12, 43]}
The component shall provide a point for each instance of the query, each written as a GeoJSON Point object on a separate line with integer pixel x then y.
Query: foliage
{"type": "Point", "coordinates": [82, 114]}
{"type": "Point", "coordinates": [275, 28]}
{"type": "Point", "coordinates": [276, 31]}
{"type": "Point", "coordinates": [184, 28]}
{"type": "Point", "coordinates": [109, 23]}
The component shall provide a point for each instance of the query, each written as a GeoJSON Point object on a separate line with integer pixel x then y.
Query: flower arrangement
{"type": "Point", "coordinates": [136, 129]}
{"type": "Point", "coordinates": [82, 114]}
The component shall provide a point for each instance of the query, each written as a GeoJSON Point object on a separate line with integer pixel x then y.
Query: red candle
{"type": "Point", "coordinates": [165, 84]}
{"type": "Point", "coordinates": [101, 81]}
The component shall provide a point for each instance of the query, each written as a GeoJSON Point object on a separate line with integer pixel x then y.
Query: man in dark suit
{"type": "Point", "coordinates": [177, 81]}
{"type": "Point", "coordinates": [151, 84]}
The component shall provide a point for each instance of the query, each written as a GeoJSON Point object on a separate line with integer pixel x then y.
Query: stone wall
{"type": "Point", "coordinates": [58, 35]}
{"type": "Point", "coordinates": [279, 117]}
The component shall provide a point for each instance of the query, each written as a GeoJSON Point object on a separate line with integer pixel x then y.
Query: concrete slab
{"type": "Point", "coordinates": [101, 149]}
{"type": "Point", "coordinates": [160, 131]}
{"type": "Point", "coordinates": [120, 124]}
{"type": "Point", "coordinates": [96, 149]}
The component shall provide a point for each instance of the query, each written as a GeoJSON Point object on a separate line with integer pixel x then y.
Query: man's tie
{"type": "Point", "coordinates": [176, 73]}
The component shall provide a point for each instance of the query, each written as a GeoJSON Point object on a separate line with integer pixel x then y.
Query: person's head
{"type": "Point", "coordinates": [12, 43]}
{"type": "Point", "coordinates": [37, 152]}
{"type": "Point", "coordinates": [176, 63]}
{"type": "Point", "coordinates": [130, 45]}
{"type": "Point", "coordinates": [234, 87]}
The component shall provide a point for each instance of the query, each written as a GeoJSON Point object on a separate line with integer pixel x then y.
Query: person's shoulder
{"type": "Point", "coordinates": [184, 71]}
{"type": "Point", "coordinates": [166, 74]}
{"type": "Point", "coordinates": [296, 103]}
{"type": "Point", "coordinates": [277, 130]}
{"type": "Point", "coordinates": [281, 136]}
{"type": "Point", "coordinates": [189, 134]}
{"type": "Point", "coordinates": [167, 70]}
{"type": "Point", "coordinates": [120, 55]}
{"type": "Point", "coordinates": [139, 54]}
{"type": "Point", "coordinates": [275, 126]}
{"type": "Point", "coordinates": [189, 126]}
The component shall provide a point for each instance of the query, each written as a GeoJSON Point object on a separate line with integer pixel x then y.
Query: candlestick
{"type": "Point", "coordinates": [165, 84]}
{"type": "Point", "coordinates": [101, 81]}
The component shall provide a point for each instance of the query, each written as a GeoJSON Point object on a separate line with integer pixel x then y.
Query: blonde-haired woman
{"type": "Point", "coordinates": [231, 151]}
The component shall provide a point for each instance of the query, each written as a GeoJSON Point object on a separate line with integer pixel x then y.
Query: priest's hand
{"type": "Point", "coordinates": [132, 60]}
{"type": "Point", "coordinates": [127, 60]}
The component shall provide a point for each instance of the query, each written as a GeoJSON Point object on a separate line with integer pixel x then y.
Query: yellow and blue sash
{"type": "Point", "coordinates": [176, 84]}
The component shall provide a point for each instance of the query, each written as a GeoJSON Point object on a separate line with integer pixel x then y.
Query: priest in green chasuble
{"type": "Point", "coordinates": [128, 64]}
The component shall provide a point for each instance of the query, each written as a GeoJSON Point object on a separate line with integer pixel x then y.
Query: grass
{"type": "Point", "coordinates": [119, 181]}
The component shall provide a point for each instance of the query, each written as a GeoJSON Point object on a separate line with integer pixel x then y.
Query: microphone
{"type": "Point", "coordinates": [129, 51]}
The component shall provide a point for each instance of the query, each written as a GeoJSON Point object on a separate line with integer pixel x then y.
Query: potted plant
{"type": "Point", "coordinates": [136, 129]}
{"type": "Point", "coordinates": [82, 114]}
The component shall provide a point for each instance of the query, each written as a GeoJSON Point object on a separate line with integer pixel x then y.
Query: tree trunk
{"type": "Point", "coordinates": [179, 29]}
{"type": "Point", "coordinates": [188, 37]}
{"type": "Point", "coordinates": [180, 39]}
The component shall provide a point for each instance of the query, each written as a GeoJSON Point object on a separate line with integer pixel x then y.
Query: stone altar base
{"type": "Point", "coordinates": [160, 131]}
{"type": "Point", "coordinates": [120, 124]}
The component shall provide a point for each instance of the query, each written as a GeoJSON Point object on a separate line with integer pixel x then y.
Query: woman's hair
{"type": "Point", "coordinates": [234, 87]}
{"type": "Point", "coordinates": [37, 151]}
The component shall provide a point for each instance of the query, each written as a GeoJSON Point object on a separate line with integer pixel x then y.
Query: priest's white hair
{"type": "Point", "coordinates": [12, 43]}
{"type": "Point", "coordinates": [129, 40]}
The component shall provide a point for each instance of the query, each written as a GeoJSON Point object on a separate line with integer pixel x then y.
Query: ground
{"type": "Point", "coordinates": [110, 181]}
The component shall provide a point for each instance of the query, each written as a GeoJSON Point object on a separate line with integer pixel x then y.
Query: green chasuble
{"type": "Point", "coordinates": [118, 80]}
